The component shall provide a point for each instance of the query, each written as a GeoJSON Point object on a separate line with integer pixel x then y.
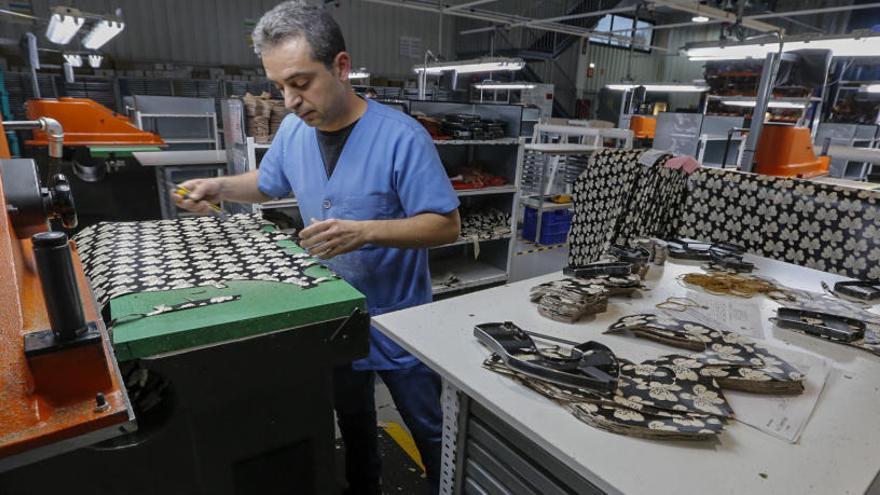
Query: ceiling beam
{"type": "Point", "coordinates": [768, 15]}
{"type": "Point", "coordinates": [502, 20]}
{"type": "Point", "coordinates": [466, 5]}
{"type": "Point", "coordinates": [582, 15]}
{"type": "Point", "coordinates": [695, 8]}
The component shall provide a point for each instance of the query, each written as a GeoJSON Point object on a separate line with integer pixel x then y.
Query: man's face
{"type": "Point", "coordinates": [311, 90]}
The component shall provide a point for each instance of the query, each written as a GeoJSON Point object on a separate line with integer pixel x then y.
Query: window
{"type": "Point", "coordinates": [622, 36]}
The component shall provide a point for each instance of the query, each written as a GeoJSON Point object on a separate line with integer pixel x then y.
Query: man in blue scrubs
{"type": "Point", "coordinates": [374, 195]}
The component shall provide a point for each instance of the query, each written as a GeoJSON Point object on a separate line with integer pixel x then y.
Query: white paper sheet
{"type": "Point", "coordinates": [784, 417]}
{"type": "Point", "coordinates": [731, 314]}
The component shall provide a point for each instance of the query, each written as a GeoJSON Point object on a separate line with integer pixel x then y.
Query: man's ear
{"type": "Point", "coordinates": [342, 65]}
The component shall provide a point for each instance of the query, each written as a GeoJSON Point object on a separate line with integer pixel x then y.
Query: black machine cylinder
{"type": "Point", "coordinates": [60, 289]}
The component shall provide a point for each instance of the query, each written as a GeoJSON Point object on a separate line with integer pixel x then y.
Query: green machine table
{"type": "Point", "coordinates": [231, 398]}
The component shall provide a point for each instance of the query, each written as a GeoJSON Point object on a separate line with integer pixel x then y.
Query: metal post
{"type": "Point", "coordinates": [440, 28]}
{"type": "Point", "coordinates": [765, 92]}
{"type": "Point", "coordinates": [632, 45]}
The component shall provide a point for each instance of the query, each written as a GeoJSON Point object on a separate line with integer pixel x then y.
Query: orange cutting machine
{"type": "Point", "coordinates": [60, 388]}
{"type": "Point", "coordinates": [787, 151]}
{"type": "Point", "coordinates": [88, 123]}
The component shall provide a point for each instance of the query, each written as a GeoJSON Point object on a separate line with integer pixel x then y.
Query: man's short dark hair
{"type": "Point", "coordinates": [296, 19]}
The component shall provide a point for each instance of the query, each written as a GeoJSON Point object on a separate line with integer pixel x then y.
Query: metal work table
{"type": "Point", "coordinates": [246, 405]}
{"type": "Point", "coordinates": [172, 158]}
{"type": "Point", "coordinates": [835, 454]}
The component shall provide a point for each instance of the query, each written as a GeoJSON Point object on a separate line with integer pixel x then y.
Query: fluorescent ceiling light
{"type": "Point", "coordinates": [472, 66]}
{"type": "Point", "coordinates": [699, 18]}
{"type": "Point", "coordinates": [102, 32]}
{"type": "Point", "coordinates": [871, 88]}
{"type": "Point", "coordinates": [95, 61]}
{"type": "Point", "coordinates": [661, 88]}
{"type": "Point", "coordinates": [73, 59]}
{"type": "Point", "coordinates": [501, 85]}
{"type": "Point", "coordinates": [63, 25]}
{"type": "Point", "coordinates": [772, 104]}
{"type": "Point", "coordinates": [359, 74]}
{"type": "Point", "coordinates": [851, 46]}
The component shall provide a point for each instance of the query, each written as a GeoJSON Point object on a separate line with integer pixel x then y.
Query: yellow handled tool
{"type": "Point", "coordinates": [184, 193]}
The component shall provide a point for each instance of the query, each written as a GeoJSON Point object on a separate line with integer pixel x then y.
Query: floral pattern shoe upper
{"type": "Point", "coordinates": [645, 400]}
{"type": "Point", "coordinates": [621, 416]}
{"type": "Point", "coordinates": [736, 362]}
{"type": "Point", "coordinates": [127, 257]}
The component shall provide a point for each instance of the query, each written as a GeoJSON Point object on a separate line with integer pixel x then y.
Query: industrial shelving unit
{"type": "Point", "coordinates": [243, 154]}
{"type": "Point", "coordinates": [555, 158]}
{"type": "Point", "coordinates": [185, 124]}
{"type": "Point", "coordinates": [853, 136]}
{"type": "Point", "coordinates": [475, 264]}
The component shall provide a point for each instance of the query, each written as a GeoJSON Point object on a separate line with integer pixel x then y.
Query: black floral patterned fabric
{"type": "Point", "coordinates": [128, 257]}
{"type": "Point", "coordinates": [827, 227]}
{"type": "Point", "coordinates": [735, 361]}
{"type": "Point", "coordinates": [650, 401]}
{"type": "Point", "coordinates": [618, 199]}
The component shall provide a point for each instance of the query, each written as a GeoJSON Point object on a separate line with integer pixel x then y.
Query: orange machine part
{"type": "Point", "coordinates": [88, 123]}
{"type": "Point", "coordinates": [787, 151]}
{"type": "Point", "coordinates": [49, 398]}
{"type": "Point", "coordinates": [643, 127]}
{"type": "Point", "coordinates": [4, 146]}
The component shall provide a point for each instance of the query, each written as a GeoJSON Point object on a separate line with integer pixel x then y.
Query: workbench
{"type": "Point", "coordinates": [247, 405]}
{"type": "Point", "coordinates": [498, 433]}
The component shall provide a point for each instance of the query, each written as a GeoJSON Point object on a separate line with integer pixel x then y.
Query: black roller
{"type": "Point", "coordinates": [60, 289]}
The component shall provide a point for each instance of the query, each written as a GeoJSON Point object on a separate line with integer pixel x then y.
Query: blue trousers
{"type": "Point", "coordinates": [416, 394]}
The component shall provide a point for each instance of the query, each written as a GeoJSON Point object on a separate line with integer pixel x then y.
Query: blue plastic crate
{"type": "Point", "coordinates": [554, 225]}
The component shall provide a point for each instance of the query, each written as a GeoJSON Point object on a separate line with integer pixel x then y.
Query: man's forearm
{"type": "Point", "coordinates": [242, 188]}
{"type": "Point", "coordinates": [420, 231]}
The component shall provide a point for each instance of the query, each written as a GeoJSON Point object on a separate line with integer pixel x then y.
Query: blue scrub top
{"type": "Point", "coordinates": [388, 169]}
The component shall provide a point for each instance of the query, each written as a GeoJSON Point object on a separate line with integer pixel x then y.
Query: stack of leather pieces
{"type": "Point", "coordinates": [568, 300]}
{"type": "Point", "coordinates": [258, 110]}
{"type": "Point", "coordinates": [484, 223]}
{"type": "Point", "coordinates": [277, 113]}
{"type": "Point", "coordinates": [735, 361]}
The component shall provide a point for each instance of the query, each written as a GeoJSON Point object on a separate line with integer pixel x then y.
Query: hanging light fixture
{"type": "Point", "coordinates": [660, 87]}
{"type": "Point", "coordinates": [359, 74]}
{"type": "Point", "coordinates": [103, 31]}
{"type": "Point", "coordinates": [95, 60]}
{"type": "Point", "coordinates": [859, 44]}
{"type": "Point", "coordinates": [771, 104]}
{"type": "Point", "coordinates": [64, 24]}
{"type": "Point", "coordinates": [73, 59]}
{"type": "Point", "coordinates": [503, 85]}
{"type": "Point", "coordinates": [699, 18]}
{"type": "Point", "coordinates": [489, 64]}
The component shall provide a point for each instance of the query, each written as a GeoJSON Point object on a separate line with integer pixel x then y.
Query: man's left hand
{"type": "Point", "coordinates": [328, 238]}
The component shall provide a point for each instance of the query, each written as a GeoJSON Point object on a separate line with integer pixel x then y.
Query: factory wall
{"type": "Point", "coordinates": [216, 32]}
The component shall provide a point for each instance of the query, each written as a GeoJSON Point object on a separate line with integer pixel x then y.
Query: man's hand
{"type": "Point", "coordinates": [328, 238]}
{"type": "Point", "coordinates": [202, 193]}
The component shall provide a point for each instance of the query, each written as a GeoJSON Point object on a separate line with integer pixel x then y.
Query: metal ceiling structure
{"type": "Point", "coordinates": [481, 10]}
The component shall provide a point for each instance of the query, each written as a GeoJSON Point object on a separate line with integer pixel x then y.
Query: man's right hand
{"type": "Point", "coordinates": [202, 193]}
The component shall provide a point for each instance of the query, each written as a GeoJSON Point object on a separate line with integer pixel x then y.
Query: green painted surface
{"type": "Point", "coordinates": [264, 307]}
{"type": "Point", "coordinates": [119, 151]}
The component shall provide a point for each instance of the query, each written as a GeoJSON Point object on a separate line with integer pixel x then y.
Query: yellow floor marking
{"type": "Point", "coordinates": [402, 437]}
